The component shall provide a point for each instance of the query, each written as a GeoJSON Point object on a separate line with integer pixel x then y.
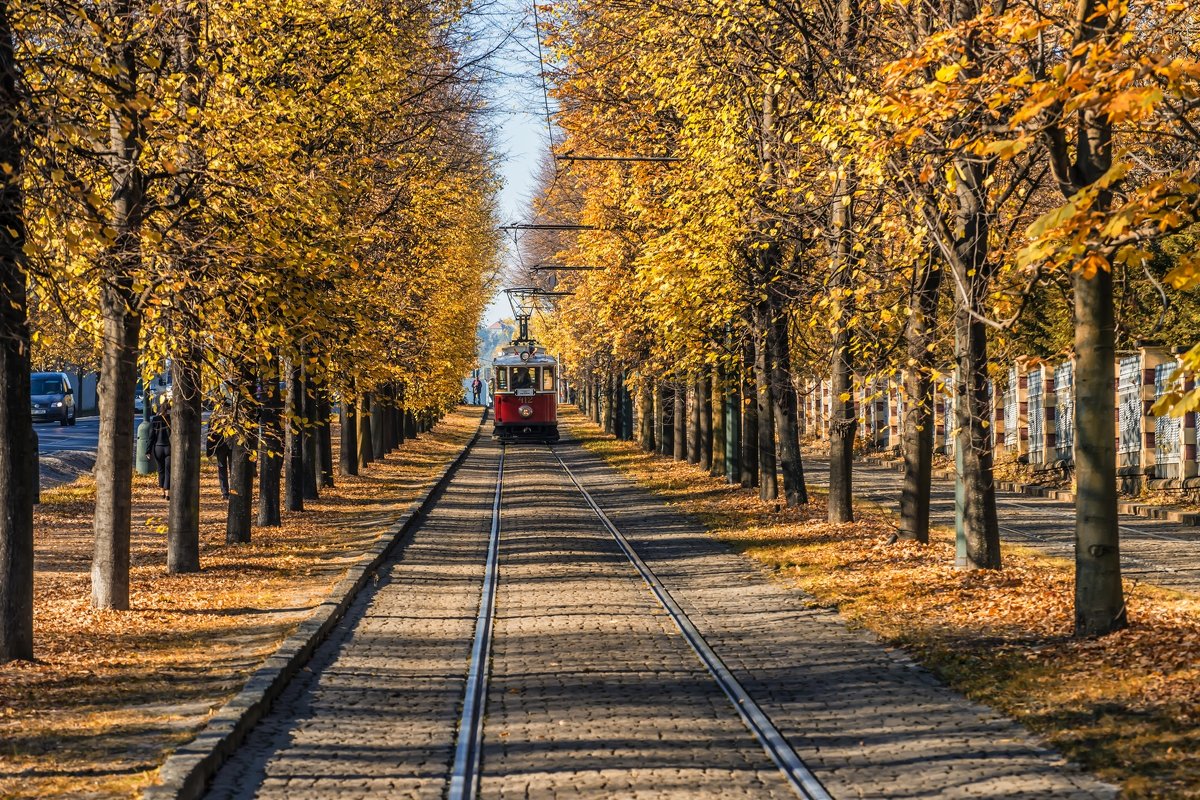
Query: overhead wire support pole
{"type": "Point", "coordinates": [562, 267]}
{"type": "Point", "coordinates": [657, 159]}
{"type": "Point", "coordinates": [547, 226]}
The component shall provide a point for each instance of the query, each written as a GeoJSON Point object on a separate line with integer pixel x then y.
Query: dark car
{"type": "Point", "coordinates": [51, 398]}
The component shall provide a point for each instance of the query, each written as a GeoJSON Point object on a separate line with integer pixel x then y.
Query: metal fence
{"type": "Point", "coordinates": [1012, 411]}
{"type": "Point", "coordinates": [1064, 417]}
{"type": "Point", "coordinates": [1037, 416]}
{"type": "Point", "coordinates": [1168, 431]}
{"type": "Point", "coordinates": [1129, 406]}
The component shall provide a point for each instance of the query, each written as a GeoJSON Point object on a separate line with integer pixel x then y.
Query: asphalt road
{"type": "Point", "coordinates": [1154, 551]}
{"type": "Point", "coordinates": [82, 436]}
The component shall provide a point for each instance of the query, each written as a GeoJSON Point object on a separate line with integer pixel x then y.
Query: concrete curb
{"type": "Point", "coordinates": [1037, 490]}
{"type": "Point", "coordinates": [186, 772]}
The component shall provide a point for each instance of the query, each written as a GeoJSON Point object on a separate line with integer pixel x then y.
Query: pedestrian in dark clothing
{"type": "Point", "coordinates": [218, 445]}
{"type": "Point", "coordinates": [476, 388]}
{"type": "Point", "coordinates": [159, 445]}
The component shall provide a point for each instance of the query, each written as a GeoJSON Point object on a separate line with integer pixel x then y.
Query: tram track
{"type": "Point", "coordinates": [466, 771]}
{"type": "Point", "coordinates": [531, 616]}
{"type": "Point", "coordinates": [799, 777]}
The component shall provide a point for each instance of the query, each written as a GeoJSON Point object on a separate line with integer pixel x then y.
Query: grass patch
{"type": "Point", "coordinates": [1126, 707]}
{"type": "Point", "coordinates": [113, 692]}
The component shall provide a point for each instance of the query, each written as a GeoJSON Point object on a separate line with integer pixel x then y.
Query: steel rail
{"type": "Point", "coordinates": [799, 777]}
{"type": "Point", "coordinates": [464, 774]}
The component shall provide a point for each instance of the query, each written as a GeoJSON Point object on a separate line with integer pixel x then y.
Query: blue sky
{"type": "Point", "coordinates": [520, 117]}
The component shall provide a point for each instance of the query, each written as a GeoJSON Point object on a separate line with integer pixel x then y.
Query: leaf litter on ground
{"type": "Point", "coordinates": [112, 692]}
{"type": "Point", "coordinates": [1125, 706]}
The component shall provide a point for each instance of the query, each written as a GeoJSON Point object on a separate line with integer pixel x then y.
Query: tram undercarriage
{"type": "Point", "coordinates": [525, 432]}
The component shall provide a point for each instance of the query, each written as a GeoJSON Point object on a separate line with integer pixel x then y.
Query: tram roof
{"type": "Point", "coordinates": [514, 360]}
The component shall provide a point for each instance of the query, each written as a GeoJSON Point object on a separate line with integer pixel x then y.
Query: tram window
{"type": "Point", "coordinates": [522, 377]}
{"type": "Point", "coordinates": [502, 378]}
{"type": "Point", "coordinates": [547, 379]}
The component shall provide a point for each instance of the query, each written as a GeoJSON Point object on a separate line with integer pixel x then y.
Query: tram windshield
{"type": "Point", "coordinates": [547, 379]}
{"type": "Point", "coordinates": [502, 378]}
{"type": "Point", "coordinates": [522, 377]}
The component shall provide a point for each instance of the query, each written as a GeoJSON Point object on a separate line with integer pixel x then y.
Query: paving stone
{"type": "Point", "coordinates": [375, 713]}
{"type": "Point", "coordinates": [868, 723]}
{"type": "Point", "coordinates": [593, 692]}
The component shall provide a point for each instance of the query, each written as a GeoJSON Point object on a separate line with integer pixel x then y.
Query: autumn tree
{"type": "Point", "coordinates": [16, 442]}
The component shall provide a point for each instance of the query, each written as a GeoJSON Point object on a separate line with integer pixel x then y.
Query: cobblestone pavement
{"type": "Point", "coordinates": [374, 713]}
{"type": "Point", "coordinates": [594, 692]}
{"type": "Point", "coordinates": [865, 719]}
{"type": "Point", "coordinates": [1153, 551]}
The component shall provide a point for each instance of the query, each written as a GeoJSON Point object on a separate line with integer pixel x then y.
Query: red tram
{"type": "Point", "coordinates": [525, 394]}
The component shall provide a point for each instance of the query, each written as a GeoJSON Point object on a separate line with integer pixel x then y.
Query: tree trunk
{"type": "Point", "coordinates": [704, 401]}
{"type": "Point", "coordinates": [312, 449]}
{"type": "Point", "coordinates": [666, 420]}
{"type": "Point", "coordinates": [114, 451]}
{"type": "Point", "coordinates": [401, 394]}
{"type": "Point", "coordinates": [366, 453]}
{"type": "Point", "coordinates": [620, 421]}
{"type": "Point", "coordinates": [270, 450]}
{"type": "Point", "coordinates": [693, 445]}
{"type": "Point", "coordinates": [786, 408]}
{"type": "Point", "coordinates": [973, 442]}
{"type": "Point", "coordinates": [394, 433]}
{"type": "Point", "coordinates": [347, 458]}
{"type": "Point", "coordinates": [121, 327]}
{"type": "Point", "coordinates": [716, 407]}
{"type": "Point", "coordinates": [325, 437]}
{"type": "Point", "coordinates": [410, 423]}
{"type": "Point", "coordinates": [917, 447]}
{"type": "Point", "coordinates": [241, 491]}
{"type": "Point", "coordinates": [646, 414]}
{"type": "Point", "coordinates": [1099, 594]}
{"type": "Point", "coordinates": [768, 486]}
{"type": "Point", "coordinates": [293, 478]}
{"type": "Point", "coordinates": [18, 483]}
{"type": "Point", "coordinates": [973, 445]}
{"type": "Point", "coordinates": [378, 423]}
{"type": "Point", "coordinates": [733, 428]}
{"type": "Point", "coordinates": [680, 418]}
{"type": "Point", "coordinates": [183, 517]}
{"type": "Point", "coordinates": [843, 421]}
{"type": "Point", "coordinates": [749, 449]}
{"type": "Point", "coordinates": [187, 435]}
{"type": "Point", "coordinates": [610, 404]}
{"type": "Point", "coordinates": [627, 431]}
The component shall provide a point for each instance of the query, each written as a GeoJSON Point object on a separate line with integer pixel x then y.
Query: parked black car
{"type": "Point", "coordinates": [51, 398]}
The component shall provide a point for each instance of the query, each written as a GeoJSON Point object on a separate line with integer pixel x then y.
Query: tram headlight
{"type": "Point", "coordinates": [525, 410]}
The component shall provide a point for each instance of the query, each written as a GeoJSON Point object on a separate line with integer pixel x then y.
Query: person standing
{"type": "Point", "coordinates": [217, 444]}
{"type": "Point", "coordinates": [159, 445]}
{"type": "Point", "coordinates": [476, 388]}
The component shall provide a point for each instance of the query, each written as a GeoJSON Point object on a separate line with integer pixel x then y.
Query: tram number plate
{"type": "Point", "coordinates": [524, 392]}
